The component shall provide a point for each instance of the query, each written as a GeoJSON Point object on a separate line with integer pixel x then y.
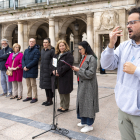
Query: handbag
{"type": "Point", "coordinates": [10, 72]}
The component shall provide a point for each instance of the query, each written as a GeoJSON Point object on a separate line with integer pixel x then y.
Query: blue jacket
{"type": "Point", "coordinates": [30, 60]}
{"type": "Point", "coordinates": [4, 54]}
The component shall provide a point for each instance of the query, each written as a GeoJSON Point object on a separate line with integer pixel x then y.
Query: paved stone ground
{"type": "Point", "coordinates": [22, 121]}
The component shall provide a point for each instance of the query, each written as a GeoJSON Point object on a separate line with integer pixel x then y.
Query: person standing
{"type": "Point", "coordinates": [126, 58]}
{"type": "Point", "coordinates": [47, 54]}
{"type": "Point", "coordinates": [14, 63]}
{"type": "Point", "coordinates": [87, 94]}
{"type": "Point", "coordinates": [4, 54]}
{"type": "Point", "coordinates": [64, 74]}
{"type": "Point", "coordinates": [30, 69]}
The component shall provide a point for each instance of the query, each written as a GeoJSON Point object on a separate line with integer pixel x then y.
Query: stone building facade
{"type": "Point", "coordinates": [64, 19]}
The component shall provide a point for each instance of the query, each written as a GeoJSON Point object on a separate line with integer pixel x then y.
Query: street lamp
{"type": "Point", "coordinates": [76, 25]}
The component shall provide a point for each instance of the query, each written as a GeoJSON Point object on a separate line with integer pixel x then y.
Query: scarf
{"type": "Point", "coordinates": [14, 55]}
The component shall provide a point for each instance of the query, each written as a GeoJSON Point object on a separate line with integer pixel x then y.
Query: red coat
{"type": "Point", "coordinates": [17, 74]}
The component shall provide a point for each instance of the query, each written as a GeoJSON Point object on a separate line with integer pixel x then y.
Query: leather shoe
{"type": "Point", "coordinates": [58, 109]}
{"type": "Point", "coordinates": [44, 103]}
{"type": "Point", "coordinates": [34, 100]}
{"type": "Point", "coordinates": [64, 110]}
{"type": "Point", "coordinates": [49, 103]}
{"type": "Point", "coordinates": [27, 99]}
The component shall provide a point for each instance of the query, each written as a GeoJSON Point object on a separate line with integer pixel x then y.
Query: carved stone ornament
{"type": "Point", "coordinates": [108, 20]}
{"type": "Point", "coordinates": [30, 14]}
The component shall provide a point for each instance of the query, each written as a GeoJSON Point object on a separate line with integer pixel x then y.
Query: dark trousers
{"type": "Point", "coordinates": [49, 93]}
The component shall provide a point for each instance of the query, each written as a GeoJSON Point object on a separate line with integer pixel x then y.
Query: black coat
{"type": "Point", "coordinates": [65, 78]}
{"type": "Point", "coordinates": [30, 60]}
{"type": "Point", "coordinates": [4, 54]}
{"type": "Point", "coordinates": [45, 77]}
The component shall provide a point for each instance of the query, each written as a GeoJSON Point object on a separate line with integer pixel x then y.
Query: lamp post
{"type": "Point", "coordinates": [76, 25]}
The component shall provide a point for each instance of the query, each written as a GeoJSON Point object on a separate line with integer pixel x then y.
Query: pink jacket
{"type": "Point", "coordinates": [17, 74]}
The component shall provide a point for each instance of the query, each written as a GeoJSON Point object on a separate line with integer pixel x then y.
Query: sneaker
{"type": "Point", "coordinates": [27, 99]}
{"type": "Point", "coordinates": [34, 100]}
{"type": "Point", "coordinates": [81, 125]}
{"type": "Point", "coordinates": [87, 129]}
{"type": "Point", "coordinates": [3, 94]}
{"type": "Point", "coordinates": [9, 95]}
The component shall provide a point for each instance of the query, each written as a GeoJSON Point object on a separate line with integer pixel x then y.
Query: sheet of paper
{"type": "Point", "coordinates": [54, 62]}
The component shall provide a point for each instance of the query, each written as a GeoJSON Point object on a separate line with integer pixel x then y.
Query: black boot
{"type": "Point", "coordinates": [44, 103]}
{"type": "Point", "coordinates": [50, 102]}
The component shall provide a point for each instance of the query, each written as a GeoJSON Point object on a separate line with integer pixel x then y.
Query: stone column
{"type": "Point", "coordinates": [90, 29]}
{"type": "Point", "coordinates": [52, 31]}
{"type": "Point", "coordinates": [56, 31]}
{"type": "Point", "coordinates": [76, 51]}
{"type": "Point", "coordinates": [20, 35]}
{"type": "Point", "coordinates": [26, 37]}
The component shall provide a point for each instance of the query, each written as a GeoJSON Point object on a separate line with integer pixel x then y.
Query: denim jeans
{"type": "Point", "coordinates": [4, 82]}
{"type": "Point", "coordinates": [85, 120]}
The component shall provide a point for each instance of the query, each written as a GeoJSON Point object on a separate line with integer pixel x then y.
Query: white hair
{"type": "Point", "coordinates": [5, 41]}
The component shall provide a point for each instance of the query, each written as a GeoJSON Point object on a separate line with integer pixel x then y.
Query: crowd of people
{"type": "Point", "coordinates": [15, 66]}
{"type": "Point", "coordinates": [126, 58]}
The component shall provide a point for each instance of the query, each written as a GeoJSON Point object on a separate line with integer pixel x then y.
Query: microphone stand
{"type": "Point", "coordinates": [54, 127]}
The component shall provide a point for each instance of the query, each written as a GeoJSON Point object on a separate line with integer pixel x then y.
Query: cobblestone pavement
{"type": "Point", "coordinates": [22, 121]}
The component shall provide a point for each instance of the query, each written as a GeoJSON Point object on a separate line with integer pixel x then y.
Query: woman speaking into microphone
{"type": "Point", "coordinates": [87, 95]}
{"type": "Point", "coordinates": [64, 74]}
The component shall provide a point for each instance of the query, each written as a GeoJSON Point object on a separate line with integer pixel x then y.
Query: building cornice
{"type": "Point", "coordinates": [63, 11]}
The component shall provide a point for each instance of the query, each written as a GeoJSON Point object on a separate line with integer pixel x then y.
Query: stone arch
{"type": "Point", "coordinates": [67, 22]}
{"type": "Point", "coordinates": [35, 26]}
{"type": "Point", "coordinates": [9, 30]}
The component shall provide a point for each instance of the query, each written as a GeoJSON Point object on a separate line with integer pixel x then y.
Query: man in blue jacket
{"type": "Point", "coordinates": [4, 54]}
{"type": "Point", "coordinates": [127, 91]}
{"type": "Point", "coordinates": [30, 69]}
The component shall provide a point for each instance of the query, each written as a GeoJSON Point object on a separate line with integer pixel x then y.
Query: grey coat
{"type": "Point", "coordinates": [87, 96]}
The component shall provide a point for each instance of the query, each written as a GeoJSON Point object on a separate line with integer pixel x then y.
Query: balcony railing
{"type": "Point", "coordinates": [19, 4]}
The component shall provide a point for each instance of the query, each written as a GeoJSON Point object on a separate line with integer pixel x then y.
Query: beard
{"type": "Point", "coordinates": [135, 37]}
{"type": "Point", "coordinates": [4, 46]}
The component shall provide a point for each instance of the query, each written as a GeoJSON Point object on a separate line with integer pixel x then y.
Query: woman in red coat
{"type": "Point", "coordinates": [15, 59]}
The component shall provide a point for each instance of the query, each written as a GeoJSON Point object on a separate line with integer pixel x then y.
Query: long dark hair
{"type": "Point", "coordinates": [87, 48]}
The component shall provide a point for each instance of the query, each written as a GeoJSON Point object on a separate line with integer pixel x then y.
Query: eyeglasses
{"type": "Point", "coordinates": [131, 22]}
{"type": "Point", "coordinates": [3, 43]}
{"type": "Point", "coordinates": [80, 49]}
{"type": "Point", "coordinates": [45, 42]}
